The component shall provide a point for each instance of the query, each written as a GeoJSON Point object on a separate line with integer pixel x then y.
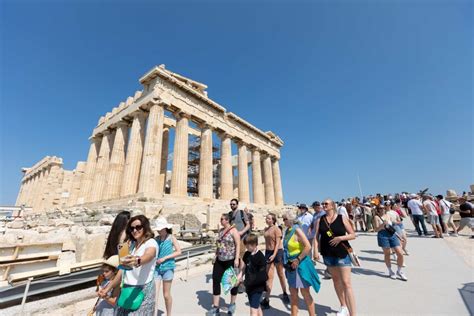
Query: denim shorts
{"type": "Point", "coordinates": [278, 257]}
{"type": "Point", "coordinates": [337, 262]}
{"type": "Point", "coordinates": [166, 275]}
{"type": "Point", "coordinates": [385, 240]}
{"type": "Point", "coordinates": [254, 299]}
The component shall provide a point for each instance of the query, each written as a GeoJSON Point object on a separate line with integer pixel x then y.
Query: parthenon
{"type": "Point", "coordinates": [130, 150]}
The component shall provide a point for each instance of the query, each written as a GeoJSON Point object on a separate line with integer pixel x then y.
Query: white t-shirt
{"type": "Point", "coordinates": [341, 210]}
{"type": "Point", "coordinates": [444, 205]}
{"type": "Point", "coordinates": [144, 273]}
{"type": "Point", "coordinates": [393, 216]}
{"type": "Point", "coordinates": [415, 206]}
{"type": "Point", "coordinates": [430, 206]}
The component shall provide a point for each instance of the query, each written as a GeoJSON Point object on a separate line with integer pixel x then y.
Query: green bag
{"type": "Point", "coordinates": [131, 298]}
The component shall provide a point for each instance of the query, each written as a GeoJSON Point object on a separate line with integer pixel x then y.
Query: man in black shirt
{"type": "Point", "coordinates": [466, 210]}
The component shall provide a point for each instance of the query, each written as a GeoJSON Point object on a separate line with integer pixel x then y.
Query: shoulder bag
{"type": "Point", "coordinates": [131, 297]}
{"type": "Point", "coordinates": [354, 258]}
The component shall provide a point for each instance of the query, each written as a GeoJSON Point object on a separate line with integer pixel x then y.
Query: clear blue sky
{"type": "Point", "coordinates": [379, 88]}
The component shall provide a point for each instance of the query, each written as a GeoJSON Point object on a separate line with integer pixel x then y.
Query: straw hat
{"type": "Point", "coordinates": [161, 223]}
{"type": "Point", "coordinates": [113, 261]}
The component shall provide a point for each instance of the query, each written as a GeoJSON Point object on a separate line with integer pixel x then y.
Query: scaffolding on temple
{"type": "Point", "coordinates": [193, 168]}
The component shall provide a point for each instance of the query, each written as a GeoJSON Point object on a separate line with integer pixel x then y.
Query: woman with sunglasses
{"type": "Point", "coordinates": [141, 264]}
{"type": "Point", "coordinates": [227, 255]}
{"type": "Point", "coordinates": [335, 231]}
{"type": "Point", "coordinates": [299, 268]}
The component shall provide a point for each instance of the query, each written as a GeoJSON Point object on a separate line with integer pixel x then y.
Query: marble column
{"type": "Point", "coordinates": [244, 194]}
{"type": "Point", "coordinates": [277, 182]}
{"type": "Point", "coordinates": [227, 186]}
{"type": "Point", "coordinates": [131, 172]}
{"type": "Point", "coordinates": [179, 177]}
{"type": "Point", "coordinates": [21, 194]}
{"type": "Point", "coordinates": [164, 159]}
{"type": "Point", "coordinates": [34, 189]}
{"type": "Point", "coordinates": [205, 163]}
{"type": "Point", "coordinates": [268, 181]}
{"type": "Point", "coordinates": [117, 162]}
{"type": "Point", "coordinates": [31, 186]}
{"type": "Point", "coordinates": [151, 165]}
{"type": "Point", "coordinates": [55, 176]}
{"type": "Point", "coordinates": [42, 191]}
{"type": "Point", "coordinates": [102, 167]}
{"type": "Point", "coordinates": [257, 184]}
{"type": "Point", "coordinates": [76, 183]}
{"type": "Point", "coordinates": [86, 185]}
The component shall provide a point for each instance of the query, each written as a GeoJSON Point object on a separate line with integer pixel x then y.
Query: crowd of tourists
{"type": "Point", "coordinates": [138, 264]}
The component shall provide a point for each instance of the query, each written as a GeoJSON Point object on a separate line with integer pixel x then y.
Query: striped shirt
{"type": "Point", "coordinates": [166, 249]}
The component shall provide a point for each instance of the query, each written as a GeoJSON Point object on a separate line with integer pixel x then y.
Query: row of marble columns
{"type": "Point", "coordinates": [39, 189]}
{"type": "Point", "coordinates": [118, 167]}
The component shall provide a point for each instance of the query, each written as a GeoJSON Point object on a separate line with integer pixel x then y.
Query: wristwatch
{"type": "Point", "coordinates": [139, 261]}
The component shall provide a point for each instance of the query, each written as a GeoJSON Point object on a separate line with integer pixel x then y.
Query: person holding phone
{"type": "Point", "coordinates": [141, 264]}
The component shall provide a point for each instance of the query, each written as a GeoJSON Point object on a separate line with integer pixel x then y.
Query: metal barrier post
{"type": "Point", "coordinates": [187, 265]}
{"type": "Point", "coordinates": [23, 301]}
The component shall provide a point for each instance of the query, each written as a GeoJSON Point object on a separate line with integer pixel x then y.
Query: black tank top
{"type": "Point", "coordinates": [338, 229]}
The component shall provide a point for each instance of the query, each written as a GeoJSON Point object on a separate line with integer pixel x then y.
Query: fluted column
{"type": "Point", "coordinates": [179, 177]}
{"type": "Point", "coordinates": [268, 181]}
{"type": "Point", "coordinates": [133, 160]}
{"type": "Point", "coordinates": [117, 162]}
{"type": "Point", "coordinates": [76, 183]}
{"type": "Point", "coordinates": [227, 186]}
{"type": "Point", "coordinates": [164, 159]}
{"type": "Point", "coordinates": [41, 192]}
{"type": "Point", "coordinates": [205, 163]}
{"type": "Point", "coordinates": [90, 169]}
{"type": "Point", "coordinates": [244, 194]}
{"type": "Point", "coordinates": [21, 193]}
{"type": "Point", "coordinates": [277, 182]}
{"type": "Point", "coordinates": [102, 167]}
{"type": "Point", "coordinates": [257, 184]}
{"type": "Point", "coordinates": [151, 165]}
{"type": "Point", "coordinates": [31, 189]}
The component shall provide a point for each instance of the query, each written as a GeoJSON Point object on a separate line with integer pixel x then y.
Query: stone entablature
{"type": "Point", "coordinates": [129, 149]}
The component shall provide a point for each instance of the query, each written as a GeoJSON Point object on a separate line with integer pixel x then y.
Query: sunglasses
{"type": "Point", "coordinates": [137, 228]}
{"type": "Point", "coordinates": [325, 203]}
{"type": "Point", "coordinates": [233, 204]}
{"type": "Point", "coordinates": [285, 219]}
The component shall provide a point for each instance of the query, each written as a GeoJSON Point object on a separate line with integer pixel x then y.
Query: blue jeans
{"type": "Point", "coordinates": [417, 219]}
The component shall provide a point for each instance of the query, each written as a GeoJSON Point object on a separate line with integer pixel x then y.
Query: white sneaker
{"type": "Point", "coordinates": [344, 311]}
{"type": "Point", "coordinates": [446, 235]}
{"type": "Point", "coordinates": [402, 276]}
{"type": "Point", "coordinates": [455, 235]}
{"type": "Point", "coordinates": [392, 275]}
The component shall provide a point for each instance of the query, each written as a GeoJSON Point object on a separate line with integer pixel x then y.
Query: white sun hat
{"type": "Point", "coordinates": [161, 223]}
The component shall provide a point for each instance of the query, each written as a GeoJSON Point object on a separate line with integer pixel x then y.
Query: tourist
{"type": "Point", "coordinates": [168, 250]}
{"type": "Point", "coordinates": [318, 213]}
{"type": "Point", "coordinates": [254, 267]}
{"type": "Point", "coordinates": [274, 259]}
{"type": "Point", "coordinates": [239, 219]}
{"type": "Point", "coordinates": [399, 227]}
{"type": "Point", "coordinates": [416, 209]}
{"type": "Point", "coordinates": [299, 269]}
{"type": "Point", "coordinates": [305, 219]}
{"type": "Point", "coordinates": [446, 215]}
{"type": "Point", "coordinates": [141, 264]}
{"type": "Point", "coordinates": [341, 210]}
{"type": "Point", "coordinates": [368, 216]}
{"type": "Point", "coordinates": [335, 231]}
{"type": "Point", "coordinates": [388, 239]}
{"type": "Point", "coordinates": [117, 234]}
{"type": "Point", "coordinates": [227, 255]}
{"type": "Point", "coordinates": [430, 208]}
{"type": "Point", "coordinates": [466, 210]}
{"type": "Point", "coordinates": [106, 306]}
{"type": "Point", "coordinates": [359, 215]}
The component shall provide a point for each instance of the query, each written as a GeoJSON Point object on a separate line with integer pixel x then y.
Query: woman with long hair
{"type": "Point", "coordinates": [299, 268]}
{"type": "Point", "coordinates": [335, 232]}
{"type": "Point", "coordinates": [227, 255]}
{"type": "Point", "coordinates": [140, 265]}
{"type": "Point", "coordinates": [117, 234]}
{"type": "Point", "coordinates": [388, 239]}
{"type": "Point", "coordinates": [274, 258]}
{"type": "Point", "coordinates": [169, 249]}
{"type": "Point", "coordinates": [399, 227]}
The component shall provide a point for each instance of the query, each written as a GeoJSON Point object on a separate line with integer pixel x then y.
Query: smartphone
{"type": "Point", "coordinates": [123, 250]}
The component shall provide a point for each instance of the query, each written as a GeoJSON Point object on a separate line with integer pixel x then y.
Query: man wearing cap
{"type": "Point", "coordinates": [466, 210]}
{"type": "Point", "coordinates": [416, 209]}
{"type": "Point", "coordinates": [430, 208]}
{"type": "Point", "coordinates": [318, 213]}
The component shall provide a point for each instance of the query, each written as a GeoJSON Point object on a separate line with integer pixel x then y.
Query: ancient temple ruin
{"type": "Point", "coordinates": [129, 154]}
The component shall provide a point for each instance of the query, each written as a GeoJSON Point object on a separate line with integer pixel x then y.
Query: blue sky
{"type": "Point", "coordinates": [382, 89]}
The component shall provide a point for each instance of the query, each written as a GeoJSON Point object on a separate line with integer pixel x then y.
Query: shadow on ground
{"type": "Point", "coordinates": [467, 294]}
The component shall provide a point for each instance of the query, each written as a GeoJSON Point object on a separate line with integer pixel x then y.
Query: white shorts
{"type": "Point", "coordinates": [434, 219]}
{"type": "Point", "coordinates": [467, 221]}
